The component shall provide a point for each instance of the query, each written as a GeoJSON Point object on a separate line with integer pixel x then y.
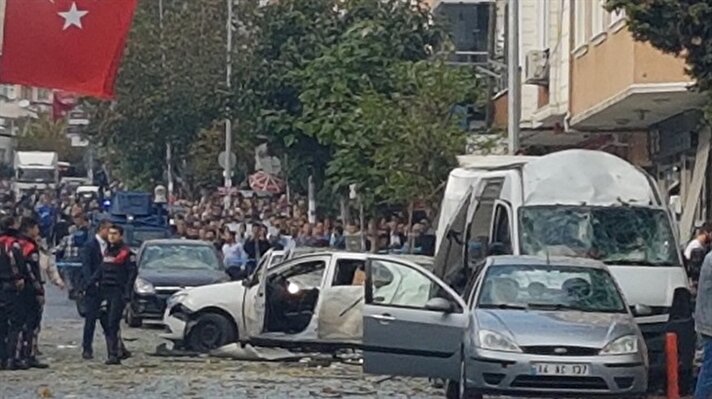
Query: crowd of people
{"type": "Point", "coordinates": [250, 226]}
{"type": "Point", "coordinates": [41, 230]}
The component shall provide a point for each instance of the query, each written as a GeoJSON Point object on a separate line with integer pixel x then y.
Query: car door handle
{"type": "Point", "coordinates": [384, 318]}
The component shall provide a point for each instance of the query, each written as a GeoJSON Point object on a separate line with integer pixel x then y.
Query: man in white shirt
{"type": "Point", "coordinates": [704, 236]}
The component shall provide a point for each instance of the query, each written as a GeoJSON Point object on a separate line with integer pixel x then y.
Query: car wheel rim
{"type": "Point", "coordinates": [209, 335]}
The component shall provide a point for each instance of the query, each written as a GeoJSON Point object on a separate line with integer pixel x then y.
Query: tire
{"type": "Point", "coordinates": [132, 320]}
{"type": "Point", "coordinates": [211, 331]}
{"type": "Point", "coordinates": [458, 389]}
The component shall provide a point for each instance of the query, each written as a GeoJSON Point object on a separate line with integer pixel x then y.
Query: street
{"type": "Point", "coordinates": [145, 376]}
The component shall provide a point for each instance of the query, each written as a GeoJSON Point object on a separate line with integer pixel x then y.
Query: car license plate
{"type": "Point", "coordinates": [567, 369]}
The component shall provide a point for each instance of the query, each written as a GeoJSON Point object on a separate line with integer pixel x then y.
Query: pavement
{"type": "Point", "coordinates": [147, 377]}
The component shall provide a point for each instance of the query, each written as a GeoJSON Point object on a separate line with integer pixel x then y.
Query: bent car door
{"type": "Point", "coordinates": [413, 323]}
{"type": "Point", "coordinates": [254, 302]}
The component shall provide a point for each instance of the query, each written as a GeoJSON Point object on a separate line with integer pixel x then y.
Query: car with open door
{"type": "Point", "coordinates": [529, 326]}
{"type": "Point", "coordinates": [310, 301]}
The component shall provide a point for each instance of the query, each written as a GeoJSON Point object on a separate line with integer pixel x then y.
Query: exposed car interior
{"type": "Point", "coordinates": [292, 296]}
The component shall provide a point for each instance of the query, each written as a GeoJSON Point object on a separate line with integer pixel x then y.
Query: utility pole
{"type": "Point", "coordinates": [169, 147]}
{"type": "Point", "coordinates": [228, 122]}
{"type": "Point", "coordinates": [514, 95]}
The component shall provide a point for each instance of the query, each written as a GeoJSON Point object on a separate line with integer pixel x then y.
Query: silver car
{"type": "Point", "coordinates": [527, 326]}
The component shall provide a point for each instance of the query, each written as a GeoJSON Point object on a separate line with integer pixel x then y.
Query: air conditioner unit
{"type": "Point", "coordinates": [537, 67]}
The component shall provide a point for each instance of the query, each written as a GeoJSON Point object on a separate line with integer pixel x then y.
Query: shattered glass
{"type": "Point", "coordinates": [615, 235]}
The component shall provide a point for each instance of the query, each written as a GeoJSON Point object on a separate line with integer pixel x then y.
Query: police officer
{"type": "Point", "coordinates": [115, 278]}
{"type": "Point", "coordinates": [32, 298]}
{"type": "Point", "coordinates": [12, 282]}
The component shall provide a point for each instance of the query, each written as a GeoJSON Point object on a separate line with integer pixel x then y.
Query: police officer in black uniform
{"type": "Point", "coordinates": [115, 278]}
{"type": "Point", "coordinates": [32, 298]}
{"type": "Point", "coordinates": [12, 282]}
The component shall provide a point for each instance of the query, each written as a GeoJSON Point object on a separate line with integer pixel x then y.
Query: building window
{"type": "Point", "coordinates": [544, 23]}
{"type": "Point", "coordinates": [26, 93]}
{"type": "Point", "coordinates": [598, 14]}
{"type": "Point", "coordinates": [44, 95]}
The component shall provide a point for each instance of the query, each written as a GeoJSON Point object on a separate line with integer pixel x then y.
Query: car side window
{"type": "Point", "coordinates": [349, 272]}
{"type": "Point", "coordinates": [502, 235]}
{"type": "Point", "coordinates": [399, 285]}
{"type": "Point", "coordinates": [306, 275]}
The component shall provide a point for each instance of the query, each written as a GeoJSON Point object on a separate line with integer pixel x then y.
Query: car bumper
{"type": "Point", "coordinates": [149, 307]}
{"type": "Point", "coordinates": [175, 326]}
{"type": "Point", "coordinates": [512, 373]}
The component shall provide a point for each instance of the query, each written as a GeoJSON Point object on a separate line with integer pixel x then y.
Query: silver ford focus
{"type": "Point", "coordinates": [557, 326]}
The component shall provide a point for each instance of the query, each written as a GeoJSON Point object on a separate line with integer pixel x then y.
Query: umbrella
{"type": "Point", "coordinates": [264, 182]}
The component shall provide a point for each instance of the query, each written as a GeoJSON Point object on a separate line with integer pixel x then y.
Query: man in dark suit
{"type": "Point", "coordinates": [92, 257]}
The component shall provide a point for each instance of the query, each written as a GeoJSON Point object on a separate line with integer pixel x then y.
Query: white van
{"type": "Point", "coordinates": [577, 203]}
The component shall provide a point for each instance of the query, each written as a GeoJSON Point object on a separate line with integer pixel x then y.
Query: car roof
{"type": "Point", "coordinates": [176, 241]}
{"type": "Point", "coordinates": [514, 260]}
{"type": "Point", "coordinates": [420, 261]}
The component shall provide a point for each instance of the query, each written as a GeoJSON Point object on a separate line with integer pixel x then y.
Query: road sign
{"type": "Point", "coordinates": [222, 159]}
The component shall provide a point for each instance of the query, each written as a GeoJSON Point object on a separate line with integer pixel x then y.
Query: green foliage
{"type": "Point", "coordinates": [171, 85]}
{"type": "Point", "coordinates": [45, 134]}
{"type": "Point", "coordinates": [408, 139]}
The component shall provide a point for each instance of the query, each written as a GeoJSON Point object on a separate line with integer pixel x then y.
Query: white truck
{"type": "Point", "coordinates": [35, 170]}
{"type": "Point", "coordinates": [576, 203]}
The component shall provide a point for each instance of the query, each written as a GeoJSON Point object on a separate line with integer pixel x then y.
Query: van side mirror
{"type": "Point", "coordinates": [497, 248]}
{"type": "Point", "coordinates": [642, 310]}
{"type": "Point", "coordinates": [439, 305]}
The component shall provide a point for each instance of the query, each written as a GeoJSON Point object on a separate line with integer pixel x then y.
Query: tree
{"type": "Point", "coordinates": [171, 85]}
{"type": "Point", "coordinates": [45, 134]}
{"type": "Point", "coordinates": [679, 27]}
{"type": "Point", "coordinates": [311, 62]}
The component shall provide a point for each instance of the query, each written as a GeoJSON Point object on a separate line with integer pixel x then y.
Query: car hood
{"type": "Point", "coordinates": [182, 277]}
{"type": "Point", "coordinates": [650, 286]}
{"type": "Point", "coordinates": [227, 296]}
{"type": "Point", "coordinates": [565, 328]}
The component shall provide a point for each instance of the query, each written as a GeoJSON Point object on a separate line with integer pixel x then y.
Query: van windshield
{"type": "Point", "coordinates": [614, 235]}
{"type": "Point", "coordinates": [33, 175]}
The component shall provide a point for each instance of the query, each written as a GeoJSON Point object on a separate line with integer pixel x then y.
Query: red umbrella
{"type": "Point", "coordinates": [264, 182]}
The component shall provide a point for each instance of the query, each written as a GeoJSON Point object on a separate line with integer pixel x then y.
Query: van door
{"type": "Point", "coordinates": [500, 242]}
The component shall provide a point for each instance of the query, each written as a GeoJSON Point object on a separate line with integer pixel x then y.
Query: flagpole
{"type": "Point", "coordinates": [228, 122]}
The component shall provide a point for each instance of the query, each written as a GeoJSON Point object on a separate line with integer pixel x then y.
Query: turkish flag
{"type": "Point", "coordinates": [72, 45]}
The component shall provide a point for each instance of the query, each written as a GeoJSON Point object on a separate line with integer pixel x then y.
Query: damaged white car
{"type": "Point", "coordinates": [313, 301]}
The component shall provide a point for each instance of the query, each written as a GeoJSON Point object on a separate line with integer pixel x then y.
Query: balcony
{"type": "Point", "coordinates": [620, 84]}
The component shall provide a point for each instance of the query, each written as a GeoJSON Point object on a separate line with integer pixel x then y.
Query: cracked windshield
{"type": "Point", "coordinates": [614, 235]}
{"type": "Point", "coordinates": [299, 198]}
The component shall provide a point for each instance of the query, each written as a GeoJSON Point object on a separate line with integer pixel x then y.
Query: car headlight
{"type": "Point", "coordinates": [176, 298]}
{"type": "Point", "coordinates": [497, 342]}
{"type": "Point", "coordinates": [621, 346]}
{"type": "Point", "coordinates": [142, 286]}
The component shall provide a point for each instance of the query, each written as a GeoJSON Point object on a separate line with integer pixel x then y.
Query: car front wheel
{"type": "Point", "coordinates": [211, 331]}
{"type": "Point", "coordinates": [458, 389]}
{"type": "Point", "coordinates": [132, 320]}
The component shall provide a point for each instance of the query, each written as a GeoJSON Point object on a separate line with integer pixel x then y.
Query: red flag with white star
{"type": "Point", "coordinates": [72, 45]}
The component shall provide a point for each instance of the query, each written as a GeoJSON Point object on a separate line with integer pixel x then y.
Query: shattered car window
{"type": "Point", "coordinates": [614, 235]}
{"type": "Point", "coordinates": [398, 285]}
{"type": "Point", "coordinates": [549, 287]}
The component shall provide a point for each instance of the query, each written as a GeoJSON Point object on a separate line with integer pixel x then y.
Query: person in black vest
{"type": "Point", "coordinates": [32, 298]}
{"type": "Point", "coordinates": [92, 257]}
{"type": "Point", "coordinates": [12, 282]}
{"type": "Point", "coordinates": [114, 279]}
